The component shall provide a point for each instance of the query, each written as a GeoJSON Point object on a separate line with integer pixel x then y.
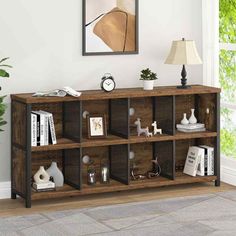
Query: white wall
{"type": "Point", "coordinates": [43, 39]}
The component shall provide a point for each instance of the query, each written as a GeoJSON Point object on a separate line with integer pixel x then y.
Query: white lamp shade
{"type": "Point", "coordinates": [183, 52]}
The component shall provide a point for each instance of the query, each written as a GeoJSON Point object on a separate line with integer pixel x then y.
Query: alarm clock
{"type": "Point", "coordinates": [108, 83]}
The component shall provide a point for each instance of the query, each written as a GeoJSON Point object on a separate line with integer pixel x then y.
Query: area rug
{"type": "Point", "coordinates": [212, 214]}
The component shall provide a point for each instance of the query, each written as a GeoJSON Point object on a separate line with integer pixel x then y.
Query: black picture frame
{"type": "Point", "coordinates": [85, 53]}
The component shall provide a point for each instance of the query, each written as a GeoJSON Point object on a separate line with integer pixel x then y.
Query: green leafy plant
{"type": "Point", "coordinates": [2, 111]}
{"type": "Point", "coordinates": [5, 74]}
{"type": "Point", "coordinates": [147, 74]}
{"type": "Point", "coordinates": [227, 29]}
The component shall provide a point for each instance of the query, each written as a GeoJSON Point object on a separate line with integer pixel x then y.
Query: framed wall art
{"type": "Point", "coordinates": [110, 27]}
{"type": "Point", "coordinates": [96, 126]}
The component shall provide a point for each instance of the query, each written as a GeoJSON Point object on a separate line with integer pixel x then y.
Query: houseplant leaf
{"type": "Point", "coordinates": [3, 73]}
{"type": "Point", "coordinates": [4, 59]}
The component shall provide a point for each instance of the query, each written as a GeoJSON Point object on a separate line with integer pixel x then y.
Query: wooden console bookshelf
{"type": "Point", "coordinates": [166, 105]}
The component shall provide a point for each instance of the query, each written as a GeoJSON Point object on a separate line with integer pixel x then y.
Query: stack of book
{"type": "Point", "coordinates": [200, 161]}
{"type": "Point", "coordinates": [42, 129]}
{"type": "Point", "coordinates": [43, 187]}
{"type": "Point", "coordinates": [191, 128]}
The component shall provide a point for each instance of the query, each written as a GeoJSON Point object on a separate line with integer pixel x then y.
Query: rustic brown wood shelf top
{"type": "Point", "coordinates": [118, 93]}
{"type": "Point", "coordinates": [165, 105]}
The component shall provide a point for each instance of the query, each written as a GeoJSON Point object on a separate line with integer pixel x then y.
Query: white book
{"type": "Point", "coordinates": [191, 130]}
{"type": "Point", "coordinates": [38, 128]}
{"type": "Point", "coordinates": [192, 160]}
{"type": "Point", "coordinates": [42, 127]}
{"type": "Point", "coordinates": [210, 159]}
{"type": "Point", "coordinates": [46, 127]}
{"type": "Point", "coordinates": [190, 126]}
{"type": "Point", "coordinates": [201, 171]}
{"type": "Point", "coordinates": [33, 130]}
{"type": "Point", "coordinates": [40, 186]}
{"type": "Point", "coordinates": [51, 129]}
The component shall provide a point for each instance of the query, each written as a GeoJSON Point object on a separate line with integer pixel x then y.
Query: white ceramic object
{"type": "Point", "coordinates": [131, 111]}
{"type": "Point", "coordinates": [41, 176]}
{"type": "Point", "coordinates": [148, 84]}
{"type": "Point", "coordinates": [148, 134]}
{"type": "Point", "coordinates": [140, 130]}
{"type": "Point", "coordinates": [192, 119]}
{"type": "Point", "coordinates": [56, 173]}
{"type": "Point", "coordinates": [131, 155]}
{"type": "Point", "coordinates": [86, 159]}
{"type": "Point", "coordinates": [155, 129]}
{"type": "Point", "coordinates": [85, 114]}
{"type": "Point", "coordinates": [184, 121]}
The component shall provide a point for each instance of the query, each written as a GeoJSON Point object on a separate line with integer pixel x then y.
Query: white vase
{"type": "Point", "coordinates": [192, 119]}
{"type": "Point", "coordinates": [184, 121]}
{"type": "Point", "coordinates": [148, 84]}
{"type": "Point", "coordinates": [41, 176]}
{"type": "Point", "coordinates": [56, 174]}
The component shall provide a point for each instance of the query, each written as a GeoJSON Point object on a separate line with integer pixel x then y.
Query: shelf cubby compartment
{"type": "Point", "coordinates": [182, 147]}
{"type": "Point", "coordinates": [150, 109]}
{"type": "Point", "coordinates": [96, 107]}
{"type": "Point", "coordinates": [116, 157]}
{"type": "Point", "coordinates": [67, 118]}
{"type": "Point", "coordinates": [146, 152]}
{"type": "Point", "coordinates": [199, 102]}
{"type": "Point", "coordinates": [68, 161]}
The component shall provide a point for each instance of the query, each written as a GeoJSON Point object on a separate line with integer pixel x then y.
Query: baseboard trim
{"type": "Point", "coordinates": [5, 190]}
{"type": "Point", "coordinates": [228, 175]}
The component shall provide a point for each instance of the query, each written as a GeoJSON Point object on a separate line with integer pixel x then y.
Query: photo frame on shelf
{"type": "Point", "coordinates": [110, 27]}
{"type": "Point", "coordinates": [96, 126]}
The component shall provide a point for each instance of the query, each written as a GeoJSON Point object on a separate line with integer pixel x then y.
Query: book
{"type": "Point", "coordinates": [192, 160]}
{"type": "Point", "coordinates": [209, 159]}
{"type": "Point", "coordinates": [44, 186]}
{"type": "Point", "coordinates": [202, 167]}
{"type": "Point", "coordinates": [43, 127]}
{"type": "Point", "coordinates": [51, 128]}
{"type": "Point", "coordinates": [33, 130]}
{"type": "Point", "coordinates": [58, 93]}
{"type": "Point", "coordinates": [190, 126]}
{"type": "Point", "coordinates": [191, 130]}
{"type": "Point", "coordinates": [37, 127]}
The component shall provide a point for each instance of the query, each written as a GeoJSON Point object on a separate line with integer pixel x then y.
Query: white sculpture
{"type": "Point", "coordinates": [155, 129]}
{"type": "Point", "coordinates": [41, 176]}
{"type": "Point", "coordinates": [148, 134]}
{"type": "Point", "coordinates": [57, 175]}
{"type": "Point", "coordinates": [192, 119]}
{"type": "Point", "coordinates": [141, 130]}
{"type": "Point", "coordinates": [184, 121]}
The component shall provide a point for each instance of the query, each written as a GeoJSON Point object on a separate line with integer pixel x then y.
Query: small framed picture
{"type": "Point", "coordinates": [96, 126]}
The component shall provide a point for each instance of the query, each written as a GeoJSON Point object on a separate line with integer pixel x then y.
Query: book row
{"type": "Point", "coordinates": [42, 129]}
{"type": "Point", "coordinates": [200, 161]}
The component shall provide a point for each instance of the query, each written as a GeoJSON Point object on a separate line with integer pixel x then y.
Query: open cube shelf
{"type": "Point", "coordinates": [121, 108]}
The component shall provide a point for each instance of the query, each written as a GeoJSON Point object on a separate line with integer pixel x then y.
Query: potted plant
{"type": "Point", "coordinates": [148, 78]}
{"type": "Point", "coordinates": [5, 74]}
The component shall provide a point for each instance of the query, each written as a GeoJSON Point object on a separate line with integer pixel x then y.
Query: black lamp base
{"type": "Point", "coordinates": [183, 87]}
{"type": "Point", "coordinates": [184, 80]}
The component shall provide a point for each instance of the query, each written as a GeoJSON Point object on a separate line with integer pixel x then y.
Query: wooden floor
{"type": "Point", "coordinates": [16, 207]}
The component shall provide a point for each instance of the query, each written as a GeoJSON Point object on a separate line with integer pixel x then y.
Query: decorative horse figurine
{"type": "Point", "coordinates": [156, 130]}
{"type": "Point", "coordinates": [139, 129]}
{"type": "Point", "coordinates": [148, 134]}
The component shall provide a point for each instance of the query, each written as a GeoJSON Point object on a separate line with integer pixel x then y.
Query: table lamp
{"type": "Point", "coordinates": [183, 52]}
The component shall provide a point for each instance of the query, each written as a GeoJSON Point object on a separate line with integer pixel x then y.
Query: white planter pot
{"type": "Point", "coordinates": [148, 84]}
